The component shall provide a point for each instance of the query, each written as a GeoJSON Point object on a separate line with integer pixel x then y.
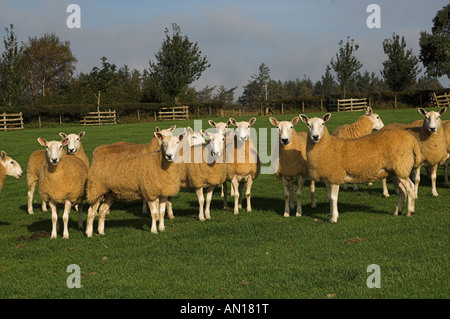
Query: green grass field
{"type": "Point", "coordinates": [251, 255]}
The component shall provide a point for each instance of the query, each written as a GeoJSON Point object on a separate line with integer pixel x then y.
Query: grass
{"type": "Point", "coordinates": [255, 255]}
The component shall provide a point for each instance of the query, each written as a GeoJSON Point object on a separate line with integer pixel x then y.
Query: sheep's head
{"type": "Point", "coordinates": [375, 118]}
{"type": "Point", "coordinates": [221, 127]}
{"type": "Point", "coordinates": [242, 131]}
{"type": "Point", "coordinates": [11, 166]}
{"type": "Point", "coordinates": [54, 149]}
{"type": "Point", "coordinates": [315, 126]}
{"type": "Point", "coordinates": [193, 138]}
{"type": "Point", "coordinates": [73, 143]}
{"type": "Point", "coordinates": [285, 129]}
{"type": "Point", "coordinates": [170, 145]}
{"type": "Point", "coordinates": [165, 132]}
{"type": "Point", "coordinates": [432, 120]}
{"type": "Point", "coordinates": [216, 143]}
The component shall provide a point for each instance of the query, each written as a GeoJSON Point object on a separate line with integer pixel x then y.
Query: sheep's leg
{"type": "Point", "coordinates": [333, 195]}
{"type": "Point", "coordinates": [31, 189]}
{"type": "Point", "coordinates": [312, 189]}
{"type": "Point", "coordinates": [154, 206]}
{"type": "Point", "coordinates": [162, 211]}
{"type": "Point", "coordinates": [44, 206]}
{"type": "Point", "coordinates": [416, 181]}
{"type": "Point", "coordinates": [80, 215]}
{"type": "Point", "coordinates": [291, 195]}
{"type": "Point", "coordinates": [92, 211]}
{"type": "Point", "coordinates": [54, 210]}
{"type": "Point", "coordinates": [67, 207]}
{"type": "Point", "coordinates": [201, 201]}
{"type": "Point", "coordinates": [103, 211]}
{"type": "Point", "coordinates": [446, 173]}
{"type": "Point", "coordinates": [235, 185]}
{"type": "Point", "coordinates": [433, 180]}
{"type": "Point", "coordinates": [225, 198]}
{"type": "Point", "coordinates": [241, 187]}
{"type": "Point", "coordinates": [169, 208]}
{"type": "Point", "coordinates": [385, 189]}
{"type": "Point", "coordinates": [209, 194]}
{"type": "Point", "coordinates": [248, 193]}
{"type": "Point", "coordinates": [402, 196]}
{"type": "Point", "coordinates": [144, 208]}
{"type": "Point", "coordinates": [355, 187]}
{"type": "Point", "coordinates": [408, 187]}
{"type": "Point", "coordinates": [301, 182]}
{"type": "Point", "coordinates": [286, 196]}
{"type": "Point", "coordinates": [221, 190]}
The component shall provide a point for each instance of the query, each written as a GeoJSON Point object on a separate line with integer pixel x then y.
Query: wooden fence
{"type": "Point", "coordinates": [348, 105]}
{"type": "Point", "coordinates": [174, 113]}
{"type": "Point", "coordinates": [99, 118]}
{"type": "Point", "coordinates": [11, 121]}
{"type": "Point", "coordinates": [441, 100]}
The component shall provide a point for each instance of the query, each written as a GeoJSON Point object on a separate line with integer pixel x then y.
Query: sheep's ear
{"type": "Point", "coordinates": [172, 128]}
{"type": "Point", "coordinates": [3, 156]}
{"type": "Point", "coordinates": [294, 120]}
{"type": "Point", "coordinates": [442, 111]}
{"type": "Point", "coordinates": [326, 117]}
{"type": "Point", "coordinates": [158, 135]}
{"type": "Point", "coordinates": [369, 111]}
{"type": "Point", "coordinates": [273, 121]}
{"type": "Point", "coordinates": [157, 129]}
{"type": "Point", "coordinates": [304, 118]}
{"type": "Point", "coordinates": [422, 111]}
{"type": "Point", "coordinates": [81, 134]}
{"type": "Point", "coordinates": [42, 141]}
{"type": "Point", "coordinates": [180, 137]}
{"type": "Point", "coordinates": [229, 122]}
{"type": "Point", "coordinates": [252, 121]}
{"type": "Point", "coordinates": [62, 134]}
{"type": "Point", "coordinates": [188, 129]}
{"type": "Point", "coordinates": [212, 123]}
{"type": "Point", "coordinates": [205, 133]}
{"type": "Point", "coordinates": [232, 121]}
{"type": "Point", "coordinates": [65, 141]}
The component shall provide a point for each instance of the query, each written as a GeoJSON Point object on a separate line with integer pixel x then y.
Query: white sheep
{"type": "Point", "coordinates": [290, 163]}
{"type": "Point", "coordinates": [152, 176]}
{"type": "Point", "coordinates": [8, 167]}
{"type": "Point", "coordinates": [366, 159]}
{"type": "Point", "coordinates": [37, 160]}
{"type": "Point", "coordinates": [62, 181]}
{"type": "Point", "coordinates": [243, 164]}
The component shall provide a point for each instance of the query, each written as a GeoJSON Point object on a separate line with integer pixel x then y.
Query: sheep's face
{"type": "Point", "coordinates": [193, 138]}
{"type": "Point", "coordinates": [216, 143]}
{"type": "Point", "coordinates": [242, 130]}
{"type": "Point", "coordinates": [375, 118]}
{"type": "Point", "coordinates": [54, 149]}
{"type": "Point", "coordinates": [432, 121]}
{"type": "Point", "coordinates": [285, 129]}
{"type": "Point", "coordinates": [315, 126]}
{"type": "Point", "coordinates": [12, 168]}
{"type": "Point", "coordinates": [73, 143]}
{"type": "Point", "coordinates": [165, 132]}
{"type": "Point", "coordinates": [170, 145]}
{"type": "Point", "coordinates": [221, 127]}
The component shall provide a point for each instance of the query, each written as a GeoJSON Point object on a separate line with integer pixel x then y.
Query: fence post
{"type": "Point", "coordinates": [303, 106]}
{"type": "Point", "coordinates": [395, 101]}
{"type": "Point", "coordinates": [321, 105]}
{"type": "Point", "coordinates": [282, 108]}
{"type": "Point", "coordinates": [139, 118]}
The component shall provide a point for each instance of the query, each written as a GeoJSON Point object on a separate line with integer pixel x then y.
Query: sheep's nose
{"type": "Point", "coordinates": [284, 140]}
{"type": "Point", "coordinates": [54, 160]}
{"type": "Point", "coordinates": [432, 129]}
{"type": "Point", "coordinates": [71, 150]}
{"type": "Point", "coordinates": [169, 157]}
{"type": "Point", "coordinates": [315, 137]}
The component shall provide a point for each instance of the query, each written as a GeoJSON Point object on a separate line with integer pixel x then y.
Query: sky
{"type": "Point", "coordinates": [294, 38]}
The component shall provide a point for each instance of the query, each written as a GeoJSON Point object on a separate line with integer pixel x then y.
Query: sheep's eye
{"type": "Point", "coordinates": [292, 127]}
{"type": "Point", "coordinates": [12, 162]}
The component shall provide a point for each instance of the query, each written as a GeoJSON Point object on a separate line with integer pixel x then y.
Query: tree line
{"type": "Point", "coordinates": [41, 70]}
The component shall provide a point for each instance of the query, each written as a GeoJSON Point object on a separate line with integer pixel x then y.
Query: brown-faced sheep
{"type": "Point", "coordinates": [366, 159]}
{"type": "Point", "coordinates": [62, 181]}
{"type": "Point", "coordinates": [10, 167]}
{"type": "Point", "coordinates": [152, 176]}
{"type": "Point", "coordinates": [290, 163]}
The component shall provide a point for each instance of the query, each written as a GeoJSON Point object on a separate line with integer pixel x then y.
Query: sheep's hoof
{"type": "Point", "coordinates": [286, 215]}
{"type": "Point", "coordinates": [333, 221]}
{"type": "Point", "coordinates": [435, 194]}
{"type": "Point", "coordinates": [298, 214]}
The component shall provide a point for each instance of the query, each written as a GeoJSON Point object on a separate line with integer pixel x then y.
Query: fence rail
{"type": "Point", "coordinates": [174, 113]}
{"type": "Point", "coordinates": [99, 118]}
{"type": "Point", "coordinates": [10, 122]}
{"type": "Point", "coordinates": [348, 105]}
{"type": "Point", "coordinates": [441, 100]}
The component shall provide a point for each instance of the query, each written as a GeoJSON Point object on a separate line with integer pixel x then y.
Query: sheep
{"type": "Point", "coordinates": [8, 167]}
{"type": "Point", "coordinates": [365, 159]}
{"type": "Point", "coordinates": [222, 128]}
{"type": "Point", "coordinates": [204, 166]}
{"type": "Point", "coordinates": [152, 176]}
{"type": "Point", "coordinates": [366, 123]}
{"type": "Point", "coordinates": [62, 181]}
{"type": "Point", "coordinates": [432, 141]}
{"type": "Point", "coordinates": [37, 160]}
{"type": "Point", "coordinates": [290, 163]}
{"type": "Point", "coordinates": [243, 164]}
{"type": "Point", "coordinates": [446, 126]}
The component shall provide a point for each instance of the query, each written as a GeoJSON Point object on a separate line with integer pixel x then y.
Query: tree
{"type": "Point", "coordinates": [11, 63]}
{"type": "Point", "coordinates": [346, 65]}
{"type": "Point", "coordinates": [225, 95]}
{"type": "Point", "coordinates": [179, 63]}
{"type": "Point", "coordinates": [256, 89]}
{"type": "Point", "coordinates": [401, 68]}
{"type": "Point", "coordinates": [99, 80]}
{"type": "Point", "coordinates": [435, 47]}
{"type": "Point", "coordinates": [326, 86]}
{"type": "Point", "coordinates": [49, 63]}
